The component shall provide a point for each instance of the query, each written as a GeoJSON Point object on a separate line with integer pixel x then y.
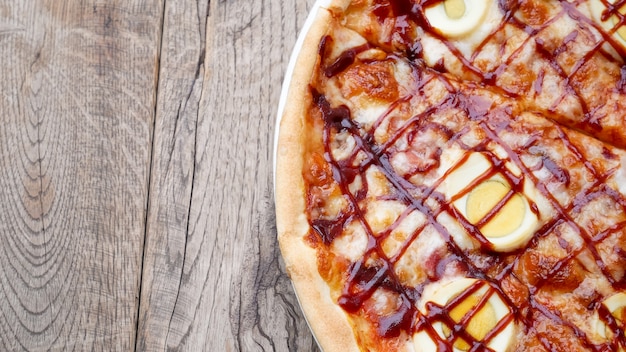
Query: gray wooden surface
{"type": "Point", "coordinates": [136, 201]}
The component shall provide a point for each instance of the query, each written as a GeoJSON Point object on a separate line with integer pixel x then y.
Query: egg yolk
{"type": "Point", "coordinates": [620, 314]}
{"type": "Point", "coordinates": [485, 197]}
{"type": "Point", "coordinates": [479, 324]}
{"type": "Point", "coordinates": [455, 9]}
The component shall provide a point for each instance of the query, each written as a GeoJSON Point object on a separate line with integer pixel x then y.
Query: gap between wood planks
{"type": "Point", "coordinates": [150, 166]}
{"type": "Point", "coordinates": [200, 63]}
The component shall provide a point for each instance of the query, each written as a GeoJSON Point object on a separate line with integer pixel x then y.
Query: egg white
{"type": "Point", "coordinates": [475, 166]}
{"type": "Point", "coordinates": [612, 304]}
{"type": "Point", "coordinates": [596, 9]}
{"type": "Point", "coordinates": [475, 11]}
{"type": "Point", "coordinates": [441, 293]}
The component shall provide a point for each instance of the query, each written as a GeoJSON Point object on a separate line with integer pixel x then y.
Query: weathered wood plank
{"type": "Point", "coordinates": [181, 81]}
{"type": "Point", "coordinates": [212, 277]}
{"type": "Point", "coordinates": [76, 117]}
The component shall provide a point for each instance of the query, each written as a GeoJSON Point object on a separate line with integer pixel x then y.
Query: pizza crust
{"type": "Point", "coordinates": [329, 322]}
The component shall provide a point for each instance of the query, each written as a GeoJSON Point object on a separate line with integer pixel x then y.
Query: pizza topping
{"type": "Point", "coordinates": [503, 216]}
{"type": "Point", "coordinates": [611, 319]}
{"type": "Point", "coordinates": [610, 18]}
{"type": "Point", "coordinates": [455, 9]}
{"type": "Point", "coordinates": [490, 202]}
{"type": "Point", "coordinates": [467, 312]}
{"type": "Point", "coordinates": [455, 18]}
{"type": "Point", "coordinates": [478, 326]}
{"type": "Point", "coordinates": [352, 244]}
{"type": "Point", "coordinates": [488, 198]}
{"type": "Point", "coordinates": [616, 305]}
{"type": "Point", "coordinates": [374, 79]}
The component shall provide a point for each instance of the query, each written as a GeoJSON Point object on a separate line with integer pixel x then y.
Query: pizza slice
{"type": "Point", "coordinates": [563, 59]}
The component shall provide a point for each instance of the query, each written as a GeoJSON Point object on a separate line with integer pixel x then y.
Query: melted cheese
{"type": "Point", "coordinates": [343, 146]}
{"type": "Point", "coordinates": [352, 243]}
{"type": "Point", "coordinates": [620, 177]}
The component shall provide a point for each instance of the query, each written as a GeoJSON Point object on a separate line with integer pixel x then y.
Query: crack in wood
{"type": "Point", "coordinates": [260, 304]}
{"type": "Point", "coordinates": [187, 232]}
{"type": "Point", "coordinates": [150, 175]}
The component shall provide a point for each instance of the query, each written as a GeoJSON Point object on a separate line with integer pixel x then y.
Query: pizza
{"type": "Point", "coordinates": [451, 175]}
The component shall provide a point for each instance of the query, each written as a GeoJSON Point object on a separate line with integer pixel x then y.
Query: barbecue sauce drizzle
{"type": "Point", "coordinates": [364, 279]}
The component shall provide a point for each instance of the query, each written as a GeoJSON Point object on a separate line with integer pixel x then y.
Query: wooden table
{"type": "Point", "coordinates": [136, 201]}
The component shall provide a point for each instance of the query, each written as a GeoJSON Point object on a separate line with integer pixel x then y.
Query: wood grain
{"type": "Point", "coordinates": [136, 201]}
{"type": "Point", "coordinates": [76, 111]}
{"type": "Point", "coordinates": [213, 279]}
{"type": "Point", "coordinates": [181, 82]}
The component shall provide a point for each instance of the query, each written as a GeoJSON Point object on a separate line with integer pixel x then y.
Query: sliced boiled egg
{"type": "Point", "coordinates": [478, 323]}
{"type": "Point", "coordinates": [486, 197]}
{"type": "Point", "coordinates": [598, 8]}
{"type": "Point", "coordinates": [513, 224]}
{"type": "Point", "coordinates": [456, 18]}
{"type": "Point", "coordinates": [616, 305]}
{"type": "Point", "coordinates": [474, 166]}
{"type": "Point", "coordinates": [506, 221]}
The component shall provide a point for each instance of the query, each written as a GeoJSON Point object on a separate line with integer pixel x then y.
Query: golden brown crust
{"type": "Point", "coordinates": [328, 321]}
